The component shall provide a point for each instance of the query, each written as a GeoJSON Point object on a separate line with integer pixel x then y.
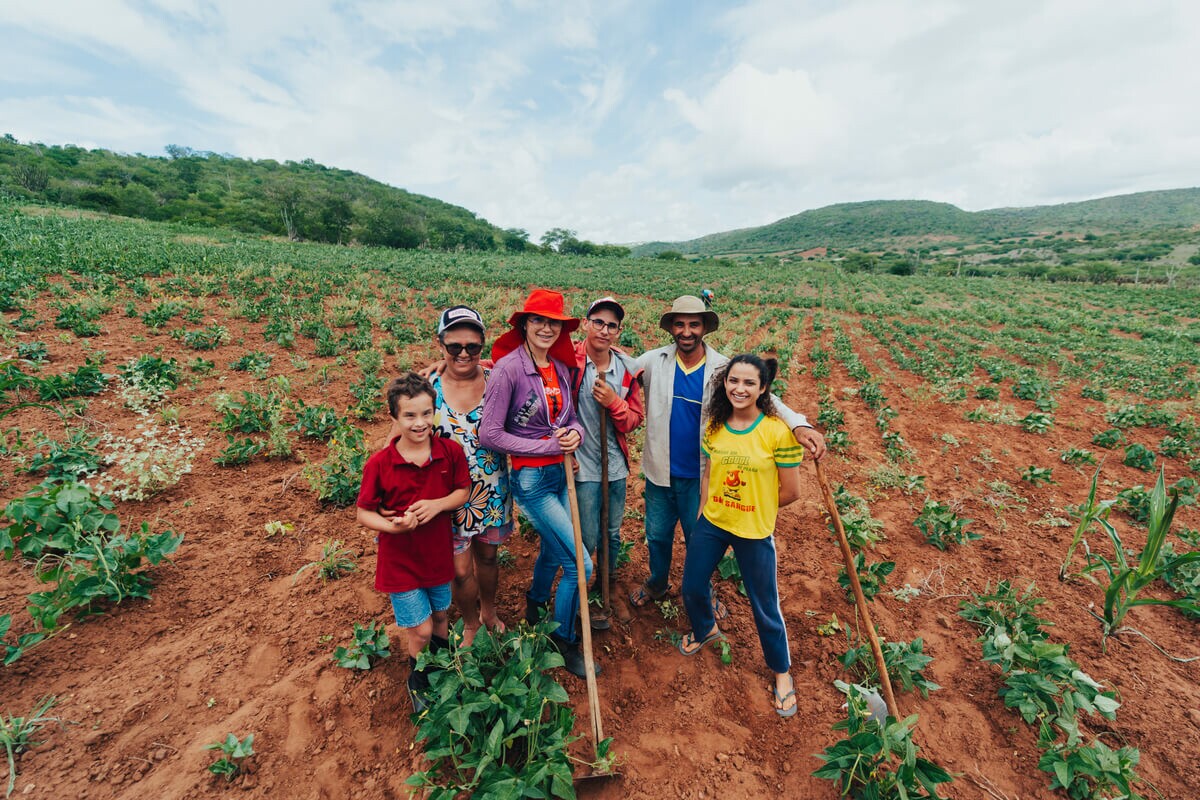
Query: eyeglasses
{"type": "Point", "coordinates": [599, 325]}
{"type": "Point", "coordinates": [540, 321]}
{"type": "Point", "coordinates": [455, 350]}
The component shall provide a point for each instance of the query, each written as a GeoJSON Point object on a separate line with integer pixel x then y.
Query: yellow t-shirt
{"type": "Point", "coordinates": [743, 476]}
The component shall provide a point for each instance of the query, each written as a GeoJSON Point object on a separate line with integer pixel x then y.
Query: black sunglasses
{"type": "Point", "coordinates": [454, 349]}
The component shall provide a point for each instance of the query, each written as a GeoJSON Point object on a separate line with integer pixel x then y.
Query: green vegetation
{"type": "Point", "coordinates": [16, 734]}
{"type": "Point", "coordinates": [369, 646]}
{"type": "Point", "coordinates": [498, 725]}
{"type": "Point", "coordinates": [1049, 689]}
{"type": "Point", "coordinates": [234, 752]}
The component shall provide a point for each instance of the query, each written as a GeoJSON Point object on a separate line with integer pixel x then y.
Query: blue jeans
{"type": "Point", "coordinates": [756, 557]}
{"type": "Point", "coordinates": [541, 492]}
{"type": "Point", "coordinates": [413, 607]}
{"type": "Point", "coordinates": [589, 493]}
{"type": "Point", "coordinates": [665, 506]}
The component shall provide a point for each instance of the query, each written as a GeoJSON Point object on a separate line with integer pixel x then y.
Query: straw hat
{"type": "Point", "coordinates": [690, 304]}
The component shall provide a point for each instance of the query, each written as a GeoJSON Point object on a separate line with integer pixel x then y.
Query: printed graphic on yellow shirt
{"type": "Point", "coordinates": [733, 482]}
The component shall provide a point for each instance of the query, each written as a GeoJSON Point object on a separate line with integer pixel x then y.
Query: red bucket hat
{"type": "Point", "coordinates": [544, 303]}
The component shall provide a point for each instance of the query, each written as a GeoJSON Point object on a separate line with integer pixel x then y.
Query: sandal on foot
{"type": "Point", "coordinates": [643, 595]}
{"type": "Point", "coordinates": [689, 646]}
{"type": "Point", "coordinates": [785, 710]}
{"type": "Point", "coordinates": [719, 609]}
{"type": "Point", "coordinates": [600, 619]}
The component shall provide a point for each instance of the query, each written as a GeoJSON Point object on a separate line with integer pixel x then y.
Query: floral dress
{"type": "Point", "coordinates": [488, 510]}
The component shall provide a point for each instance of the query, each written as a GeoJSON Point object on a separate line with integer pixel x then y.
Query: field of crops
{"type": "Point", "coordinates": [186, 413]}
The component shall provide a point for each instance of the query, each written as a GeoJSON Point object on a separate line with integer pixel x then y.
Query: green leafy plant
{"type": "Point", "coordinates": [336, 479]}
{"type": "Point", "coordinates": [370, 645]}
{"type": "Point", "coordinates": [1139, 457]}
{"type": "Point", "coordinates": [1108, 439]}
{"type": "Point", "coordinates": [942, 527]}
{"type": "Point", "coordinates": [871, 577]}
{"type": "Point", "coordinates": [1037, 475]}
{"type": "Point", "coordinates": [1126, 578]}
{"type": "Point", "coordinates": [74, 459]}
{"type": "Point", "coordinates": [277, 528]}
{"type": "Point", "coordinates": [498, 725]}
{"type": "Point", "coordinates": [16, 735]}
{"type": "Point", "coordinates": [878, 761]}
{"type": "Point", "coordinates": [239, 451]}
{"type": "Point", "coordinates": [904, 661]}
{"type": "Point", "coordinates": [234, 752]}
{"type": "Point", "coordinates": [1036, 422]}
{"type": "Point", "coordinates": [335, 561]}
{"type": "Point", "coordinates": [1093, 770]}
{"type": "Point", "coordinates": [1077, 456]}
{"type": "Point", "coordinates": [209, 338]}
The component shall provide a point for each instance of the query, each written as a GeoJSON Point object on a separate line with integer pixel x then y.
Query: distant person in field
{"type": "Point", "coordinates": [750, 468]}
{"type": "Point", "coordinates": [608, 384]}
{"type": "Point", "coordinates": [529, 413]}
{"type": "Point", "coordinates": [423, 478]}
{"type": "Point", "coordinates": [678, 383]}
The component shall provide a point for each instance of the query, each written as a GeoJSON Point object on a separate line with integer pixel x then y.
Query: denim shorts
{"type": "Point", "coordinates": [414, 607]}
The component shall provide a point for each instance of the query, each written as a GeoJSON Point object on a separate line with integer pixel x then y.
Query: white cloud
{"type": "Point", "coordinates": [629, 121]}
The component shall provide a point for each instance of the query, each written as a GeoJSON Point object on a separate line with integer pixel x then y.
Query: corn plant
{"type": "Point", "coordinates": [234, 752]}
{"type": "Point", "coordinates": [16, 735]}
{"type": "Point", "coordinates": [370, 646]}
{"type": "Point", "coordinates": [335, 561]}
{"type": "Point", "coordinates": [1088, 513]}
{"type": "Point", "coordinates": [1126, 578]}
{"type": "Point", "coordinates": [877, 760]}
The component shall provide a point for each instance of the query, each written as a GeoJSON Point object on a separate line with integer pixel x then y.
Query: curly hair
{"type": "Point", "coordinates": [720, 409]}
{"type": "Point", "coordinates": [410, 384]}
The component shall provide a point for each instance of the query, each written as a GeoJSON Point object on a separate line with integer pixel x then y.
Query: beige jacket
{"type": "Point", "coordinates": [658, 378]}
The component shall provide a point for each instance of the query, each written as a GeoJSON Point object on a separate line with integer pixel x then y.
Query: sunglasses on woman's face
{"type": "Point", "coordinates": [455, 350]}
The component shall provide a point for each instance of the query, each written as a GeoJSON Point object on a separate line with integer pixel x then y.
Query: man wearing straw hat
{"type": "Point", "coordinates": [676, 382]}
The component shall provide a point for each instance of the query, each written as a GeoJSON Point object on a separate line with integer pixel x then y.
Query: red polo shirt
{"type": "Point", "coordinates": [423, 557]}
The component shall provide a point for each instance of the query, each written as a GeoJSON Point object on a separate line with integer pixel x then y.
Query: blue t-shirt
{"type": "Point", "coordinates": [686, 404]}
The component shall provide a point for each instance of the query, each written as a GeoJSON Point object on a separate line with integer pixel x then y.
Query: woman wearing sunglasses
{"type": "Point", "coordinates": [485, 522]}
{"type": "Point", "coordinates": [528, 413]}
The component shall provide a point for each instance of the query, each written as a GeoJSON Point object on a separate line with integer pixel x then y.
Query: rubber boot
{"type": "Point", "coordinates": [572, 657]}
{"type": "Point", "coordinates": [535, 610]}
{"type": "Point", "coordinates": [418, 686]}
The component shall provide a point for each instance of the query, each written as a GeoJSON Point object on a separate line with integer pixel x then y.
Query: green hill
{"type": "Point", "coordinates": [303, 201]}
{"type": "Point", "coordinates": [878, 223]}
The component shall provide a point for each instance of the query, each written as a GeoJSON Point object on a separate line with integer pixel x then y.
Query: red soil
{"type": "Point", "coordinates": [230, 643]}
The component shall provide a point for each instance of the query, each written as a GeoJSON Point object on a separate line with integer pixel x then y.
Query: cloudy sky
{"type": "Point", "coordinates": [632, 121]}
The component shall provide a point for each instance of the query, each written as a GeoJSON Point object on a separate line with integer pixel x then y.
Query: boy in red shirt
{"type": "Point", "coordinates": [418, 481]}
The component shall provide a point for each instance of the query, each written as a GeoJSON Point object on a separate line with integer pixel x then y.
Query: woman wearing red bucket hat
{"type": "Point", "coordinates": [528, 413]}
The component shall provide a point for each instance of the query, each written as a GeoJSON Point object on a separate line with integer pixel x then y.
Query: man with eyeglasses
{"type": "Point", "coordinates": [606, 383]}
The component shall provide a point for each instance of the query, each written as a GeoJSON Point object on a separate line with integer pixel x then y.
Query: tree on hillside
{"type": "Point", "coordinates": [516, 239]}
{"type": "Point", "coordinates": [554, 238]}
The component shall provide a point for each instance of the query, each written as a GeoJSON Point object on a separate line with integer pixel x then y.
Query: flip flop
{"type": "Point", "coordinates": [499, 628]}
{"type": "Point", "coordinates": [689, 638]}
{"type": "Point", "coordinates": [720, 610]}
{"type": "Point", "coordinates": [642, 596]}
{"type": "Point", "coordinates": [786, 711]}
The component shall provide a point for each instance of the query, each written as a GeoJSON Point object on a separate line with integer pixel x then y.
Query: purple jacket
{"type": "Point", "coordinates": [514, 417]}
